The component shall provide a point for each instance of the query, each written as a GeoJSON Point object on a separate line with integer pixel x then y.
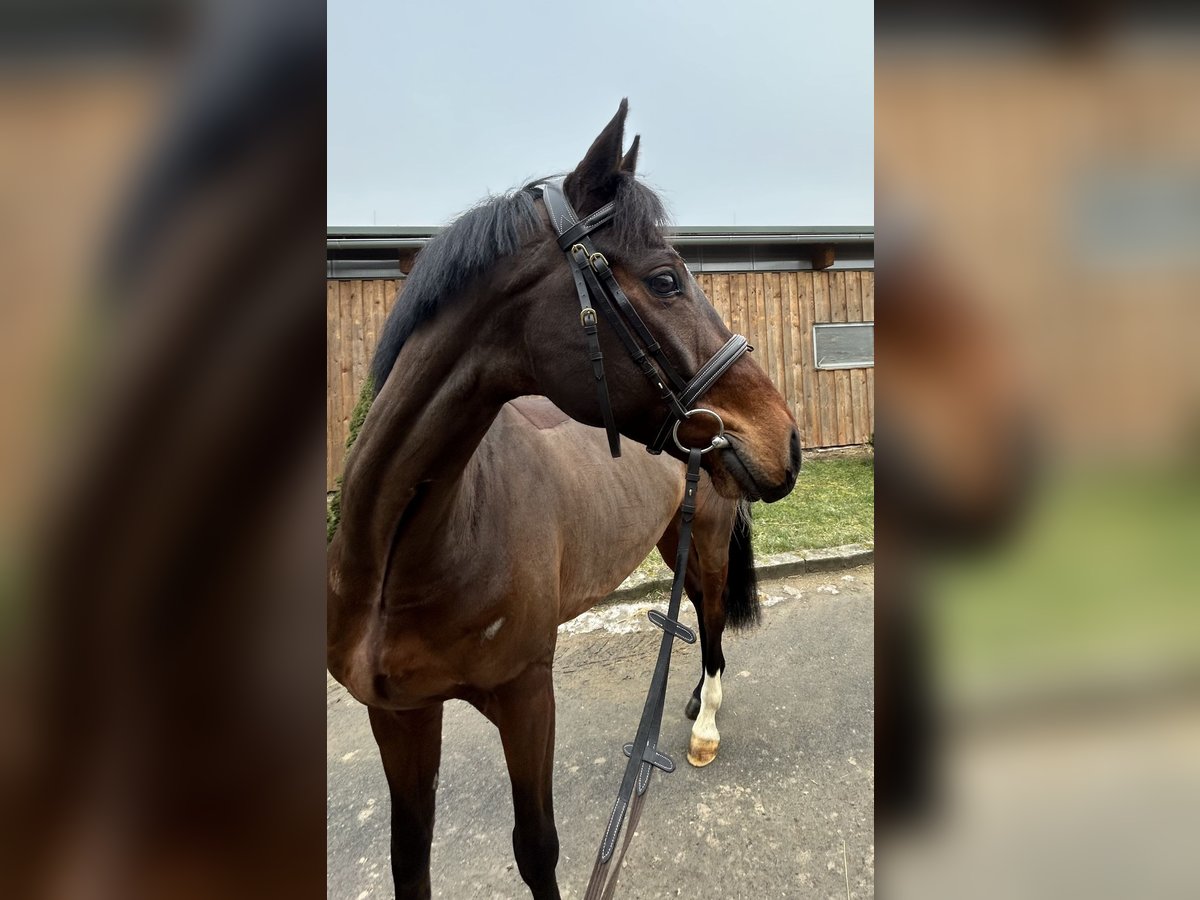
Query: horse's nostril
{"type": "Point", "coordinates": [795, 452]}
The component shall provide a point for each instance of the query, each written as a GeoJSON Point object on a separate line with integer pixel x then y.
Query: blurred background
{"type": "Point", "coordinates": [1038, 661]}
{"type": "Point", "coordinates": [1038, 632]}
{"type": "Point", "coordinates": [161, 379]}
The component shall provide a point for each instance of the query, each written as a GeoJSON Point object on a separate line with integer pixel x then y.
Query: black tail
{"type": "Point", "coordinates": [741, 589]}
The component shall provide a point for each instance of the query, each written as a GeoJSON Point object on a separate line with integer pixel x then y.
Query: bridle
{"type": "Point", "coordinates": [598, 288]}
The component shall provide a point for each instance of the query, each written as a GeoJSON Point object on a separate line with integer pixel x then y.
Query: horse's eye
{"type": "Point", "coordinates": [664, 284]}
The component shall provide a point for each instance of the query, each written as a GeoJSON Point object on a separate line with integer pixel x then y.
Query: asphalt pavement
{"type": "Point", "coordinates": [786, 810]}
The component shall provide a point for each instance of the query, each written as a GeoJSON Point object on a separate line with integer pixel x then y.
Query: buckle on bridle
{"type": "Point", "coordinates": [719, 440]}
{"type": "Point", "coordinates": [587, 317]}
{"type": "Point", "coordinates": [596, 265]}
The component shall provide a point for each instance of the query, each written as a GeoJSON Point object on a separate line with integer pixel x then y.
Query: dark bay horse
{"type": "Point", "coordinates": [962, 462]}
{"type": "Point", "coordinates": [475, 519]}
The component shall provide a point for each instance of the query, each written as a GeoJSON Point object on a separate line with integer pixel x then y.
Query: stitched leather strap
{"type": "Point", "coordinates": [631, 343]}
{"type": "Point", "coordinates": [644, 755]}
{"type": "Point", "coordinates": [561, 212]}
{"type": "Point", "coordinates": [701, 382]}
{"type": "Point", "coordinates": [601, 268]}
{"type": "Point", "coordinates": [590, 323]}
{"type": "Point", "coordinates": [611, 299]}
{"type": "Point", "coordinates": [588, 317]}
{"type": "Point", "coordinates": [585, 227]}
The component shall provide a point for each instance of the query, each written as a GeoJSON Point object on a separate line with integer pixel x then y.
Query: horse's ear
{"type": "Point", "coordinates": [629, 160]}
{"type": "Point", "coordinates": [594, 180]}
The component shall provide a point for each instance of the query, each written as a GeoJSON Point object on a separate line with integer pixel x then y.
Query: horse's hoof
{"type": "Point", "coordinates": [701, 751]}
{"type": "Point", "coordinates": [693, 707]}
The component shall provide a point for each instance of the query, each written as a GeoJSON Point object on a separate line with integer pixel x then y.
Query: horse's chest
{"type": "Point", "coordinates": [428, 657]}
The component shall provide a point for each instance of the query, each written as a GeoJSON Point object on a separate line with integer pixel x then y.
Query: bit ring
{"type": "Point", "coordinates": [719, 440]}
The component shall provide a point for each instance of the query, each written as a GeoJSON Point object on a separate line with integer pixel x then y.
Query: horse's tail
{"type": "Point", "coordinates": [741, 587]}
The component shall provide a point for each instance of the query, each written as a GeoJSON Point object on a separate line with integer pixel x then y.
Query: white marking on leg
{"type": "Point", "coordinates": [705, 727]}
{"type": "Point", "coordinates": [491, 631]}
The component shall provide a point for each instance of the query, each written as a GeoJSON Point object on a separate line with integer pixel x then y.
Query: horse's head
{"type": "Point", "coordinates": [762, 456]}
{"type": "Point", "coordinates": [961, 440]}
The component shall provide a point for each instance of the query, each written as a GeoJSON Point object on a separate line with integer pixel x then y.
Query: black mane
{"type": "Point", "coordinates": [481, 237]}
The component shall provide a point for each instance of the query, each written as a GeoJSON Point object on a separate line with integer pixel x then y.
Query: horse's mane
{"type": "Point", "coordinates": [481, 237]}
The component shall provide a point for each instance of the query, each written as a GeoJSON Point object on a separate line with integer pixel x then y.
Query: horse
{"type": "Point", "coordinates": [480, 508]}
{"type": "Point", "coordinates": [962, 460]}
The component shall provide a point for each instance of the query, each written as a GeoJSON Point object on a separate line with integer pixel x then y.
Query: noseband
{"type": "Point", "coordinates": [598, 289]}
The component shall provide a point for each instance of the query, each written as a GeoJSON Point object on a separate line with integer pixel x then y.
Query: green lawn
{"type": "Point", "coordinates": [1101, 577]}
{"type": "Point", "coordinates": [832, 504]}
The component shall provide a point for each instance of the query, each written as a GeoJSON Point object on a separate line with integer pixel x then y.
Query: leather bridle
{"type": "Point", "coordinates": [598, 288]}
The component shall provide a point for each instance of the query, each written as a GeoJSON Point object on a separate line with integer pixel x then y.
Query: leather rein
{"type": "Point", "coordinates": [597, 287]}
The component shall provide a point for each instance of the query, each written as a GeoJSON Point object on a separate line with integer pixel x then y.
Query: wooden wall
{"type": "Point", "coordinates": [354, 314]}
{"type": "Point", "coordinates": [775, 310]}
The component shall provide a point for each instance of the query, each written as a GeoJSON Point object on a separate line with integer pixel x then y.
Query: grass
{"type": "Point", "coordinates": [832, 504]}
{"type": "Point", "coordinates": [1099, 577]}
{"type": "Point", "coordinates": [333, 503]}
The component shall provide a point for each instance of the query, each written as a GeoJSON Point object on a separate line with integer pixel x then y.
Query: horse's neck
{"type": "Point", "coordinates": [438, 402]}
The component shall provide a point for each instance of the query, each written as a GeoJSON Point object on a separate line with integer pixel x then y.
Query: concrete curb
{"type": "Point", "coordinates": [769, 568]}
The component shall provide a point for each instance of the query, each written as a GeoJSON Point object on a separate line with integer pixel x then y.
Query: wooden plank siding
{"type": "Point", "coordinates": [775, 310]}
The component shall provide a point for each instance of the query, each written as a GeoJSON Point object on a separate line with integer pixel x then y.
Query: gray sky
{"type": "Point", "coordinates": [751, 112]}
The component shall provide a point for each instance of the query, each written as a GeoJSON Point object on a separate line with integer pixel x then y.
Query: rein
{"type": "Point", "coordinates": [643, 753]}
{"type": "Point", "coordinates": [597, 287]}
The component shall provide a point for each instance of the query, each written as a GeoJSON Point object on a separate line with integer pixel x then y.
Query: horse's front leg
{"type": "Point", "coordinates": [523, 711]}
{"type": "Point", "coordinates": [410, 743]}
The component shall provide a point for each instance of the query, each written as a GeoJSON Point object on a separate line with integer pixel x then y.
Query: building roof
{"type": "Point", "coordinates": [385, 251]}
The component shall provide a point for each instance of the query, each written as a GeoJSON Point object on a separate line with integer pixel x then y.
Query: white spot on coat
{"type": "Point", "coordinates": [491, 631]}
